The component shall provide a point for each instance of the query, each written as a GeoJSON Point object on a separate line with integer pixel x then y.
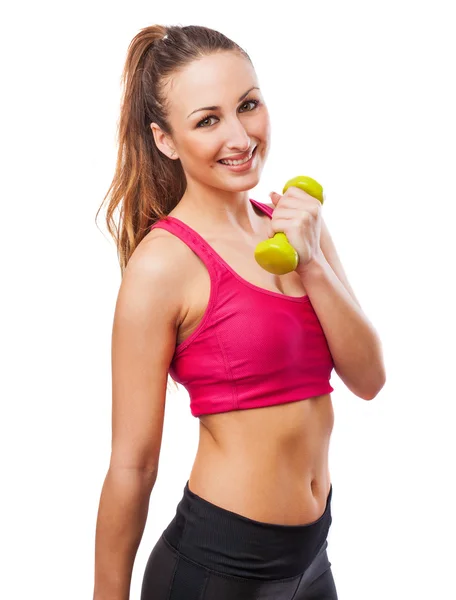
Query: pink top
{"type": "Point", "coordinates": [253, 347]}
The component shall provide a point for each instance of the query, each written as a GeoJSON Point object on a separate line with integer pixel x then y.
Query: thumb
{"type": "Point", "coordinates": [275, 197]}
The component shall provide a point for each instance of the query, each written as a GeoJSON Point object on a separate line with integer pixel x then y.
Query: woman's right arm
{"type": "Point", "coordinates": [146, 319]}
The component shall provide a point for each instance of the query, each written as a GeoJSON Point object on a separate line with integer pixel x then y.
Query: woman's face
{"type": "Point", "coordinates": [203, 136]}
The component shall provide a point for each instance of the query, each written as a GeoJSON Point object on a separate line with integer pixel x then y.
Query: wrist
{"type": "Point", "coordinates": [313, 268]}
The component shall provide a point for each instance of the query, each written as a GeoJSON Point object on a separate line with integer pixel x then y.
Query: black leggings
{"type": "Point", "coordinates": [210, 553]}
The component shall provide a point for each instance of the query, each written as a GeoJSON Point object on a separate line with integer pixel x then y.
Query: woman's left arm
{"type": "Point", "coordinates": [353, 341]}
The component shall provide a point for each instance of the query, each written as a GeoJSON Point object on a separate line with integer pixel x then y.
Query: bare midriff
{"type": "Point", "coordinates": [270, 463]}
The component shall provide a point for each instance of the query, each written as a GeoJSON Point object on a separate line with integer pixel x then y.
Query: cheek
{"type": "Point", "coordinates": [263, 127]}
{"type": "Point", "coordinates": [202, 149]}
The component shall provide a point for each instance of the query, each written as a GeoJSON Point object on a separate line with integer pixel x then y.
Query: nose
{"type": "Point", "coordinates": [238, 139]}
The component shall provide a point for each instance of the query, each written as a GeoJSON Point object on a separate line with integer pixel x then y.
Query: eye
{"type": "Point", "coordinates": [254, 102]}
{"type": "Point", "coordinates": [207, 117]}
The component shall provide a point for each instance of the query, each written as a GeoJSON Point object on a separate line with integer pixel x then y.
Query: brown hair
{"type": "Point", "coordinates": [147, 185]}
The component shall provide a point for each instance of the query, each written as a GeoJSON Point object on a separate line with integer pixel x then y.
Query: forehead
{"type": "Point", "coordinates": [211, 80]}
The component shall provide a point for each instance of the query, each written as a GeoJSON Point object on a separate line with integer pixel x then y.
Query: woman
{"type": "Point", "coordinates": [255, 351]}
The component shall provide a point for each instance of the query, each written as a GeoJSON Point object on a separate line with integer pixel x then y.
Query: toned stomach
{"type": "Point", "coordinates": [269, 464]}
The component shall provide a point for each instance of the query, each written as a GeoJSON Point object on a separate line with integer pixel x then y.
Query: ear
{"type": "Point", "coordinates": [163, 142]}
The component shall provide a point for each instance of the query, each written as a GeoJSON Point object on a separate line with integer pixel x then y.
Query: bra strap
{"type": "Point", "coordinates": [264, 207]}
{"type": "Point", "coordinates": [193, 241]}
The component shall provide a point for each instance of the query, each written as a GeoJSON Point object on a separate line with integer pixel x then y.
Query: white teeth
{"type": "Point", "coordinates": [237, 162]}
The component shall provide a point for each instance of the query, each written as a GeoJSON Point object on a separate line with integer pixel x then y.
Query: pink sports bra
{"type": "Point", "coordinates": [253, 347]}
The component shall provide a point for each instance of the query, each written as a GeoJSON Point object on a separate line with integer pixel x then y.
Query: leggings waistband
{"type": "Point", "coordinates": [231, 543]}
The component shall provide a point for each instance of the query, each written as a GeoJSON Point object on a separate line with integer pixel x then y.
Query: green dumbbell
{"type": "Point", "coordinates": [276, 254]}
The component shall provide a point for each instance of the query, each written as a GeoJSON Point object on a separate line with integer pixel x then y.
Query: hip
{"type": "Point", "coordinates": [211, 553]}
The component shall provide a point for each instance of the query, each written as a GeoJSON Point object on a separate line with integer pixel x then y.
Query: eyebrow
{"type": "Point", "coordinates": [218, 107]}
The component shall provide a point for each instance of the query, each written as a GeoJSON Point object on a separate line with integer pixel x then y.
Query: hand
{"type": "Point", "coordinates": [298, 216]}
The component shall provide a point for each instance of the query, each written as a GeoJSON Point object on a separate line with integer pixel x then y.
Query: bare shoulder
{"type": "Point", "coordinates": [156, 272]}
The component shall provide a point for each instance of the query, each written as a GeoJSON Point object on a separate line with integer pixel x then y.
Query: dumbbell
{"type": "Point", "coordinates": [276, 254]}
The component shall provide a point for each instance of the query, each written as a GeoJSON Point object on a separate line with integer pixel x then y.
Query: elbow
{"type": "Point", "coordinates": [373, 392]}
{"type": "Point", "coordinates": [367, 389]}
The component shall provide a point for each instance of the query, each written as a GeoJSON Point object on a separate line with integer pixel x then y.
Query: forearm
{"type": "Point", "coordinates": [122, 516]}
{"type": "Point", "coordinates": [353, 342]}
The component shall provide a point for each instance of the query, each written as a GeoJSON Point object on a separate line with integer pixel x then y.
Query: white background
{"type": "Point", "coordinates": [362, 98]}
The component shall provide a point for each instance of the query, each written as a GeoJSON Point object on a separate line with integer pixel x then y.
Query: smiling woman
{"type": "Point", "coordinates": [255, 512]}
{"type": "Point", "coordinates": [205, 135]}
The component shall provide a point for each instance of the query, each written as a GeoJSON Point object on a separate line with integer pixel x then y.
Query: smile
{"type": "Point", "coordinates": [240, 165]}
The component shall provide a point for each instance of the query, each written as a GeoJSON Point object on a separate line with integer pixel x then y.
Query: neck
{"type": "Point", "coordinates": [217, 210]}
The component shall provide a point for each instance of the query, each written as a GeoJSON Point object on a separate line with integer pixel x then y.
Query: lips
{"type": "Point", "coordinates": [241, 157]}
